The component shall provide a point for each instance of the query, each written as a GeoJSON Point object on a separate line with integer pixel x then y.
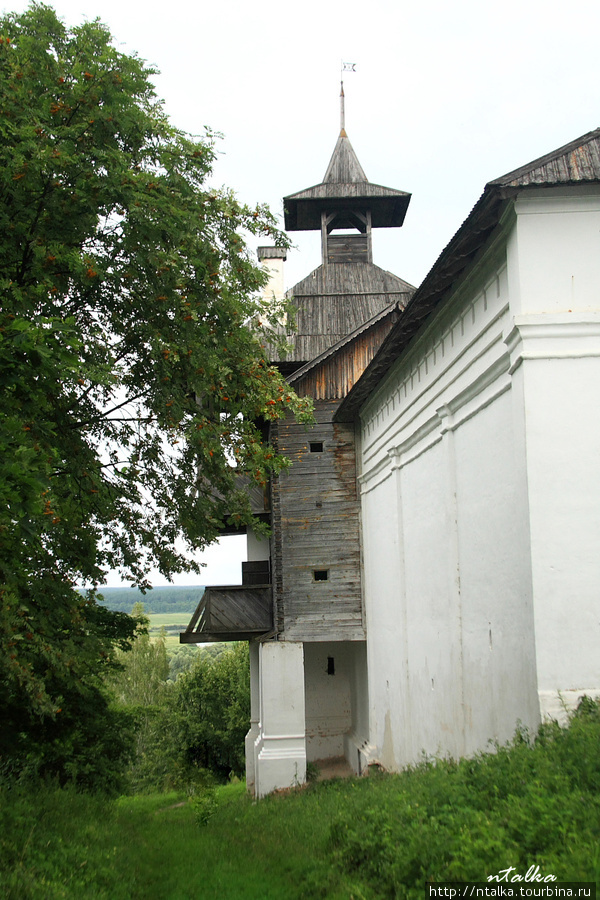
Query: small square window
{"type": "Point", "coordinates": [321, 574]}
{"type": "Point", "coordinates": [316, 446]}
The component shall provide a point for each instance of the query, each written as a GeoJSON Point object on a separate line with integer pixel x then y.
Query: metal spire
{"type": "Point", "coordinates": [346, 67]}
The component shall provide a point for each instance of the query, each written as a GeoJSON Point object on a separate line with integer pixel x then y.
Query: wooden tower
{"type": "Point", "coordinates": [300, 603]}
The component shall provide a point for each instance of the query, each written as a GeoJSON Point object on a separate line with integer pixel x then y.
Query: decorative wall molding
{"type": "Point", "coordinates": [434, 355]}
{"type": "Point", "coordinates": [553, 336]}
{"type": "Point", "coordinates": [485, 389]}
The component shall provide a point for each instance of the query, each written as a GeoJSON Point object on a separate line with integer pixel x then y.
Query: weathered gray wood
{"type": "Point", "coordinates": [347, 248]}
{"type": "Point", "coordinates": [345, 185]}
{"type": "Point", "coordinates": [315, 506]}
{"type": "Point", "coordinates": [334, 302]}
{"type": "Point", "coordinates": [345, 309]}
{"type": "Point", "coordinates": [227, 613]}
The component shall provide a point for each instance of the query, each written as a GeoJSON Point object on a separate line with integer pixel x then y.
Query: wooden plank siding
{"type": "Point", "coordinates": [233, 613]}
{"type": "Point", "coordinates": [348, 248]}
{"type": "Point", "coordinates": [332, 378]}
{"type": "Point", "coordinates": [316, 527]}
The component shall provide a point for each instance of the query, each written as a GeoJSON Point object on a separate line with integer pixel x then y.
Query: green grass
{"type": "Point", "coordinates": [147, 847]}
{"type": "Point", "coordinates": [247, 850]}
{"type": "Point", "coordinates": [385, 836]}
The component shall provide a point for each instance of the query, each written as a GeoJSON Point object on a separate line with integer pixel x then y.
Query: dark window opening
{"type": "Point", "coordinates": [330, 665]}
{"type": "Point", "coordinates": [321, 574]}
{"type": "Point", "coordinates": [316, 446]}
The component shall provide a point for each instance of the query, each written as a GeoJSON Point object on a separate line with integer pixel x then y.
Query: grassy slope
{"type": "Point", "coordinates": [143, 848]}
{"type": "Point", "coordinates": [246, 851]}
{"type": "Point", "coordinates": [378, 837]}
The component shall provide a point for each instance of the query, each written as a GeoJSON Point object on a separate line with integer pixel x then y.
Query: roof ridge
{"type": "Point", "coordinates": [342, 342]}
{"type": "Point", "coordinates": [515, 174]}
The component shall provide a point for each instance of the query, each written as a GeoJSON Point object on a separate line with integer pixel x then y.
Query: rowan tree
{"type": "Point", "coordinates": [132, 358]}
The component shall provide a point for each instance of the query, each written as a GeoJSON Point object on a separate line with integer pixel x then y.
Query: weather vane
{"type": "Point", "coordinates": [346, 67]}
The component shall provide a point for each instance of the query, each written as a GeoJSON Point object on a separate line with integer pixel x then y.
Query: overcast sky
{"type": "Point", "coordinates": [446, 96]}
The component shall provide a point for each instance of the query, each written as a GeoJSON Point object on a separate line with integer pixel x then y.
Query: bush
{"type": "Point", "coordinates": [204, 804]}
{"type": "Point", "coordinates": [188, 726]}
{"type": "Point", "coordinates": [523, 805]}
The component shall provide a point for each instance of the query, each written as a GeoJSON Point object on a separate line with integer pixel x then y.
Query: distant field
{"type": "Point", "coordinates": [173, 623]}
{"type": "Point", "coordinates": [169, 599]}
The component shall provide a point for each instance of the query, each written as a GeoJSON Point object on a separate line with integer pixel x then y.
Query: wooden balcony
{"type": "Point", "coordinates": [236, 612]}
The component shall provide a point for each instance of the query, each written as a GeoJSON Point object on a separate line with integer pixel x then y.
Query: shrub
{"type": "Point", "coordinates": [204, 804]}
{"type": "Point", "coordinates": [522, 805]}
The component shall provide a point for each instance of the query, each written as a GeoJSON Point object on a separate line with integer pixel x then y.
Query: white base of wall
{"type": "Point", "coordinates": [280, 763]}
{"type": "Point", "coordinates": [359, 753]}
{"type": "Point", "coordinates": [249, 743]}
{"type": "Point", "coordinates": [556, 705]}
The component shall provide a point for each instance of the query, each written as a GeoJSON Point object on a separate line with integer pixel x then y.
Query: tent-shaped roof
{"type": "Point", "coordinates": [345, 186]}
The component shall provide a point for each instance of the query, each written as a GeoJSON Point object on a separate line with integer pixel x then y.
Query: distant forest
{"type": "Point", "coordinates": [169, 599]}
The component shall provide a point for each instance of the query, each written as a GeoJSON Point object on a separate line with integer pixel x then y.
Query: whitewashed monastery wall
{"type": "Point", "coordinates": [480, 492]}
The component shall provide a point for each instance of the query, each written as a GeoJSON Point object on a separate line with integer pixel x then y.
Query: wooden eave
{"type": "Point", "coordinates": [303, 210]}
{"type": "Point", "coordinates": [231, 613]}
{"type": "Point", "coordinates": [575, 163]}
{"type": "Point", "coordinates": [345, 187]}
{"type": "Point", "coordinates": [393, 311]}
{"type": "Point", "coordinates": [449, 266]}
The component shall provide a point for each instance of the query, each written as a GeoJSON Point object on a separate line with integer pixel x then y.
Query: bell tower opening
{"type": "Point", "coordinates": [346, 246]}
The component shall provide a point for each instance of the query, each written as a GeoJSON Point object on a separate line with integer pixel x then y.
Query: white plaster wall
{"type": "Point", "coordinates": [562, 400]}
{"type": "Point", "coordinates": [481, 495]}
{"type": "Point", "coordinates": [554, 266]}
{"type": "Point", "coordinates": [357, 747]}
{"type": "Point", "coordinates": [280, 746]}
{"type": "Point", "coordinates": [328, 698]}
{"type": "Point", "coordinates": [258, 547]}
{"type": "Point", "coordinates": [274, 289]}
{"type": "Point", "coordinates": [554, 250]}
{"type": "Point", "coordinates": [447, 569]}
{"type": "Point", "coordinates": [254, 730]}
{"type": "Point", "coordinates": [432, 612]}
{"type": "Point", "coordinates": [498, 666]}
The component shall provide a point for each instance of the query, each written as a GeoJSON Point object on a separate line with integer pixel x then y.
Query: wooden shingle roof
{"type": "Point", "coordinates": [345, 186]}
{"type": "Point", "coordinates": [335, 300]}
{"type": "Point", "coordinates": [573, 163]}
{"type": "Point", "coordinates": [577, 162]}
{"type": "Point", "coordinates": [344, 167]}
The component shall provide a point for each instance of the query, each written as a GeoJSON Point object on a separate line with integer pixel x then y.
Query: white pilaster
{"type": "Point", "coordinates": [254, 718]}
{"type": "Point", "coordinates": [280, 747]}
{"type": "Point", "coordinates": [556, 358]}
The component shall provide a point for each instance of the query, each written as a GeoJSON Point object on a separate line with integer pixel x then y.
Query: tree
{"type": "Point", "coordinates": [213, 711]}
{"type": "Point", "coordinates": [142, 678]}
{"type": "Point", "coordinates": [132, 354]}
{"type": "Point", "coordinates": [140, 688]}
